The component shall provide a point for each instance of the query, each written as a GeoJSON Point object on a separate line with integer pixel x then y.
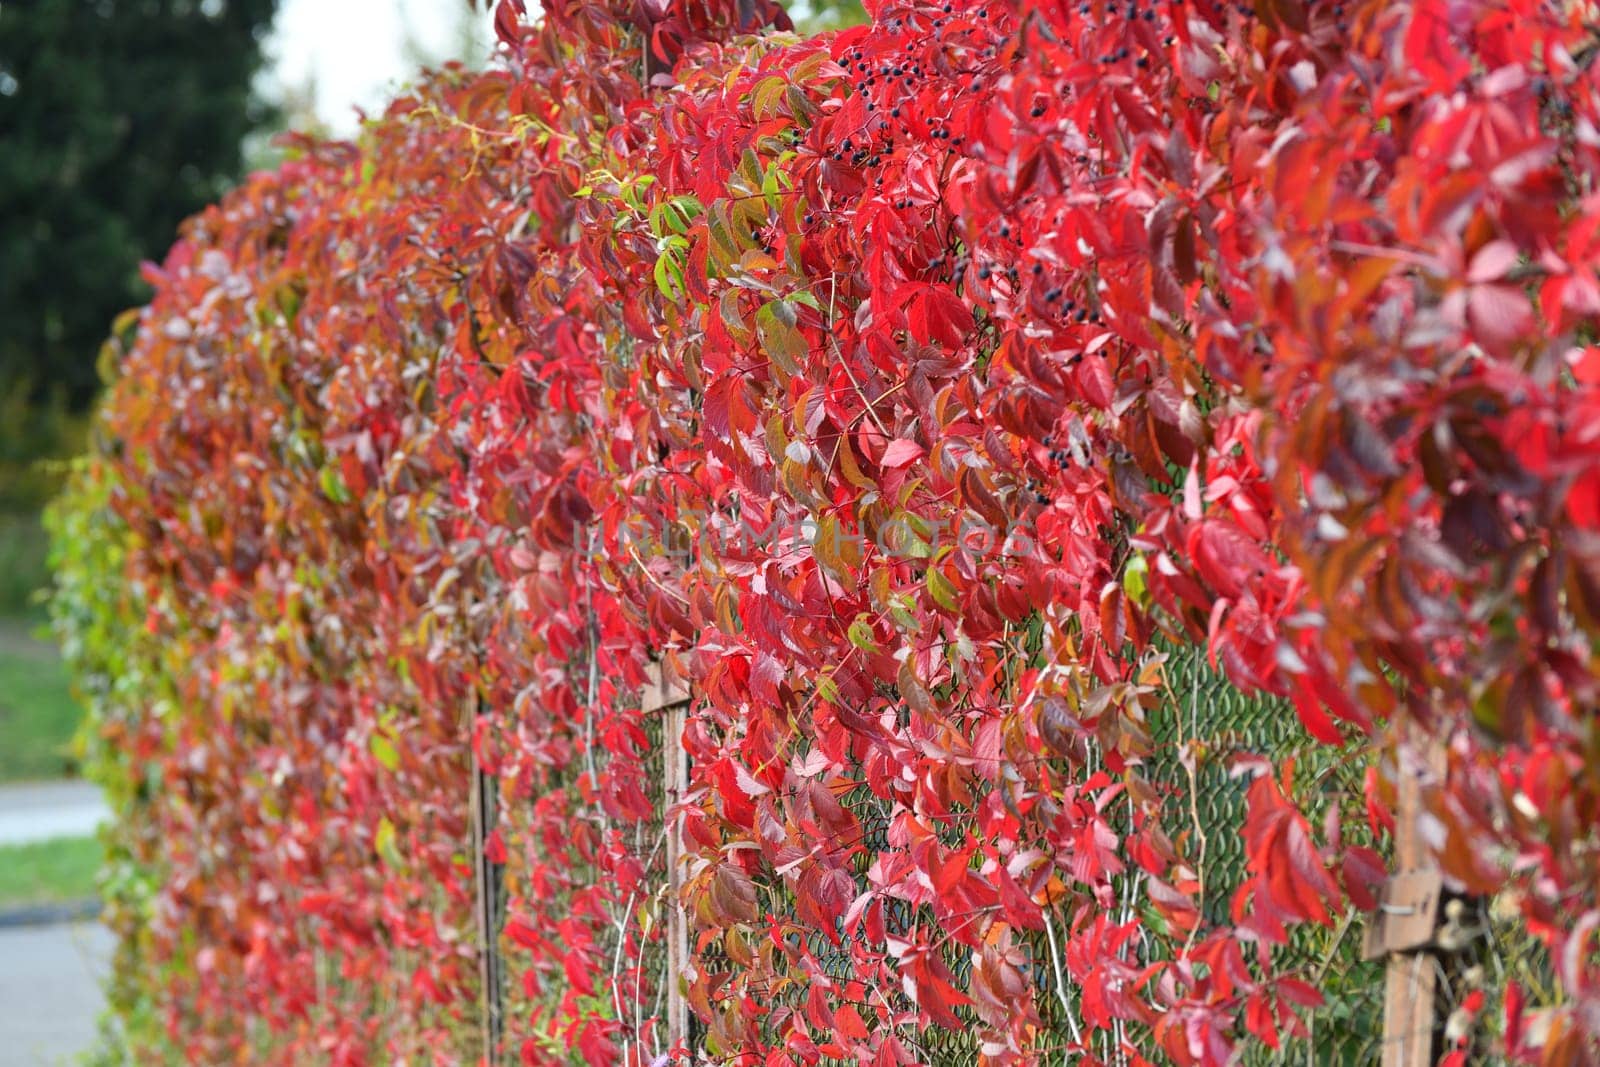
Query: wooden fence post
{"type": "Point", "coordinates": [485, 812]}
{"type": "Point", "coordinates": [672, 700]}
{"type": "Point", "coordinates": [1408, 918]}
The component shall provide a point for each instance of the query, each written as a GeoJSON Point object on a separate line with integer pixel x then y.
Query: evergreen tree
{"type": "Point", "coordinates": [118, 118]}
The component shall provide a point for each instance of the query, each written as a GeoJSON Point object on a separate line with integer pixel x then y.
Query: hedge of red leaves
{"type": "Point", "coordinates": [898, 389]}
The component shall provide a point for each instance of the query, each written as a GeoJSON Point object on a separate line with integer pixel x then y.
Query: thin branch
{"type": "Point", "coordinates": [1061, 978]}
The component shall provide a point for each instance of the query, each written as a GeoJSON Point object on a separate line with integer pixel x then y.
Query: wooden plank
{"type": "Point", "coordinates": [1410, 850]}
{"type": "Point", "coordinates": [1407, 915]}
{"type": "Point", "coordinates": [484, 803]}
{"type": "Point", "coordinates": [660, 690]}
{"type": "Point", "coordinates": [1408, 1009]}
{"type": "Point", "coordinates": [1411, 981]}
{"type": "Point", "coordinates": [671, 698]}
{"type": "Point", "coordinates": [676, 780]}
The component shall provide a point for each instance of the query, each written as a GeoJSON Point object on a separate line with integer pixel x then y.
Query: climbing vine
{"type": "Point", "coordinates": [908, 393]}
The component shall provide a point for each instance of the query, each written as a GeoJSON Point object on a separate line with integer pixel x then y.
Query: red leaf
{"type": "Point", "coordinates": [1309, 708]}
{"type": "Point", "coordinates": [1514, 1000]}
{"type": "Point", "coordinates": [901, 453]}
{"type": "Point", "coordinates": [1258, 1019]}
{"type": "Point", "coordinates": [1493, 261]}
{"type": "Point", "coordinates": [577, 974]}
{"type": "Point", "coordinates": [1280, 851]}
{"type": "Point", "coordinates": [1500, 314]}
{"type": "Point", "coordinates": [1297, 992]}
{"type": "Point", "coordinates": [507, 20]}
{"type": "Point", "coordinates": [1583, 501]}
{"type": "Point", "coordinates": [935, 992]}
{"type": "Point", "coordinates": [1364, 873]}
{"type": "Point", "coordinates": [523, 934]}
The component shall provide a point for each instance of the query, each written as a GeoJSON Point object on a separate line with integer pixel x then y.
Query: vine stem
{"type": "Point", "coordinates": [1194, 804]}
{"type": "Point", "coordinates": [653, 580]}
{"type": "Point", "coordinates": [616, 960]}
{"type": "Point", "coordinates": [1061, 978]}
{"type": "Point", "coordinates": [592, 692]}
{"type": "Point", "coordinates": [872, 412]}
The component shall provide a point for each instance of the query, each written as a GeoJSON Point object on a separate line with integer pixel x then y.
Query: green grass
{"type": "Point", "coordinates": [49, 872]}
{"type": "Point", "coordinates": [38, 716]}
{"type": "Point", "coordinates": [24, 567]}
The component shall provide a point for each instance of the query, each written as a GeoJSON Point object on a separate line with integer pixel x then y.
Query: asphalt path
{"type": "Point", "coordinates": [50, 974]}
{"type": "Point", "coordinates": [39, 811]}
{"type": "Point", "coordinates": [50, 996]}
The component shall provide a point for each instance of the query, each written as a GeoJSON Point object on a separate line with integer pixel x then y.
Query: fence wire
{"type": "Point", "coordinates": [1202, 725]}
{"type": "Point", "coordinates": [1217, 722]}
{"type": "Point", "coordinates": [1205, 716]}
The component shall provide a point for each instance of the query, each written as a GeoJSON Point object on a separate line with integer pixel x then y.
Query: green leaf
{"type": "Point", "coordinates": [669, 277]}
{"type": "Point", "coordinates": [383, 751]}
{"type": "Point", "coordinates": [768, 94]}
{"type": "Point", "coordinates": [1134, 581]}
{"type": "Point", "coordinates": [769, 187]}
{"type": "Point", "coordinates": [725, 249]}
{"type": "Point", "coordinates": [861, 636]}
{"type": "Point", "coordinates": [780, 338]}
{"type": "Point", "coordinates": [828, 689]}
{"type": "Point", "coordinates": [333, 486]}
{"type": "Point", "coordinates": [383, 843]}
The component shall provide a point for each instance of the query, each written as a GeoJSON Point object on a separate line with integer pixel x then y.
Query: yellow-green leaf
{"type": "Point", "coordinates": [383, 843]}
{"type": "Point", "coordinates": [862, 637]}
{"type": "Point", "coordinates": [780, 338]}
{"type": "Point", "coordinates": [384, 752]}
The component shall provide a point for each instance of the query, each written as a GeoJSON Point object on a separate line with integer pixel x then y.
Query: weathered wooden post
{"type": "Point", "coordinates": [671, 698]}
{"type": "Point", "coordinates": [1407, 920]}
{"type": "Point", "coordinates": [485, 812]}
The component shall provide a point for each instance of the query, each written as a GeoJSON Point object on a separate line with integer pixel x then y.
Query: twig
{"type": "Point", "coordinates": [1333, 947]}
{"type": "Point", "coordinates": [833, 288]}
{"type": "Point", "coordinates": [593, 692]}
{"type": "Point", "coordinates": [1061, 978]}
{"type": "Point", "coordinates": [1194, 806]}
{"type": "Point", "coordinates": [653, 580]}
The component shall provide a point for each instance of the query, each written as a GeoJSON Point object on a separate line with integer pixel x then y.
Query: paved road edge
{"type": "Point", "coordinates": [66, 911]}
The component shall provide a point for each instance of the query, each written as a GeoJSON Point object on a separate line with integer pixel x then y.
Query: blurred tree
{"type": "Point", "coordinates": [813, 16]}
{"type": "Point", "coordinates": [118, 118]}
{"type": "Point", "coordinates": [470, 42]}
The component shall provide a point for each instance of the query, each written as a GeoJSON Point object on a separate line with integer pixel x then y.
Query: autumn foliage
{"type": "Point", "coordinates": [912, 393]}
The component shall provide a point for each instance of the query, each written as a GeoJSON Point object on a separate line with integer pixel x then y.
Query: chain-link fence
{"type": "Point", "coordinates": [1204, 727]}
{"type": "Point", "coordinates": [1201, 725]}
{"type": "Point", "coordinates": [1200, 730]}
{"type": "Point", "coordinates": [1483, 944]}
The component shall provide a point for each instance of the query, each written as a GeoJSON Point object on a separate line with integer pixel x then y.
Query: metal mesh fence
{"type": "Point", "coordinates": [1213, 723]}
{"type": "Point", "coordinates": [1216, 722]}
{"type": "Point", "coordinates": [1200, 728]}
{"type": "Point", "coordinates": [624, 930]}
{"type": "Point", "coordinates": [1207, 719]}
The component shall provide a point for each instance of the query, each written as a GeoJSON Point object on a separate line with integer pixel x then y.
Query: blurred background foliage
{"type": "Point", "coordinates": [38, 433]}
{"type": "Point", "coordinates": [812, 16]}
{"type": "Point", "coordinates": [38, 716]}
{"type": "Point", "coordinates": [119, 118]}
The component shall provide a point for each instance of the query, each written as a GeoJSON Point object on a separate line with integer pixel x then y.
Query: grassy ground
{"type": "Point", "coordinates": [48, 872]}
{"type": "Point", "coordinates": [37, 713]}
{"type": "Point", "coordinates": [23, 567]}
